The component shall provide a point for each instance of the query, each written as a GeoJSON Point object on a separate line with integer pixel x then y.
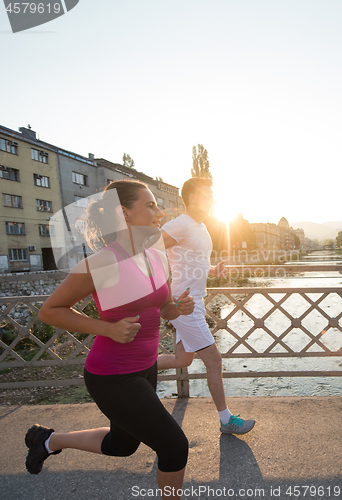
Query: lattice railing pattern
{"type": "Point", "coordinates": [52, 352]}
{"type": "Point", "coordinates": [248, 323]}
{"type": "Point", "coordinates": [276, 302]}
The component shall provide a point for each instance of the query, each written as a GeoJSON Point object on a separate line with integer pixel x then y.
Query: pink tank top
{"type": "Point", "coordinates": [135, 294]}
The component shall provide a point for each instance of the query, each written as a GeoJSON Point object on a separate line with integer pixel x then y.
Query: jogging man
{"type": "Point", "coordinates": [189, 246]}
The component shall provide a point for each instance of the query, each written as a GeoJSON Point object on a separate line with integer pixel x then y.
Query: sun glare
{"type": "Point", "coordinates": [221, 211]}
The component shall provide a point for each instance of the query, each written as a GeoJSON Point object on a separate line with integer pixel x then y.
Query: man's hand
{"type": "Point", "coordinates": [185, 303]}
{"type": "Point", "coordinates": [220, 270]}
{"type": "Point", "coordinates": [124, 330]}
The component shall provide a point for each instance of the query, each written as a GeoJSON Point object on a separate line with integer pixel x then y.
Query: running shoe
{"type": "Point", "coordinates": [237, 425]}
{"type": "Point", "coordinates": [35, 440]}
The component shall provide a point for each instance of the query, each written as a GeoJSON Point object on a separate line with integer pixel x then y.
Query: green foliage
{"type": "Point", "coordinates": [242, 281]}
{"type": "Point", "coordinates": [339, 239]}
{"type": "Point", "coordinates": [214, 281]}
{"type": "Point", "coordinates": [91, 310]}
{"type": "Point", "coordinates": [7, 333]}
{"type": "Point", "coordinates": [42, 331]}
{"type": "Point", "coordinates": [200, 162]}
{"type": "Point", "coordinates": [26, 347]}
{"type": "Point", "coordinates": [6, 370]}
{"type": "Point", "coordinates": [127, 161]}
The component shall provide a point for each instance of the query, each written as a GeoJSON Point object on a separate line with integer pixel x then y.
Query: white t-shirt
{"type": "Point", "coordinates": [190, 259]}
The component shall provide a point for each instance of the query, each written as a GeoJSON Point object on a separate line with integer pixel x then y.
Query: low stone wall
{"type": "Point", "coordinates": [28, 284]}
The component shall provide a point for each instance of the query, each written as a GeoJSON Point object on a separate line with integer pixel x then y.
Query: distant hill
{"type": "Point", "coordinates": [325, 231]}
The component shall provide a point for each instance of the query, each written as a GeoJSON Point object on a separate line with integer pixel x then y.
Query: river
{"type": "Point", "coordinates": [278, 386]}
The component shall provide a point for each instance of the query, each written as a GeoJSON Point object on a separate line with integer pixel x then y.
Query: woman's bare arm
{"type": "Point", "coordinates": [57, 311]}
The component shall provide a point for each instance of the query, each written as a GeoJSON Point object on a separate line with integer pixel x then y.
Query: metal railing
{"type": "Point", "coordinates": [247, 322]}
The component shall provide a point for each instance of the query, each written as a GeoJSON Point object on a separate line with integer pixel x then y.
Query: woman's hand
{"type": "Point", "coordinates": [185, 303]}
{"type": "Point", "coordinates": [124, 330]}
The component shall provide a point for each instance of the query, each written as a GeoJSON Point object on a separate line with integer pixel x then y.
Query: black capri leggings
{"type": "Point", "coordinates": [137, 415]}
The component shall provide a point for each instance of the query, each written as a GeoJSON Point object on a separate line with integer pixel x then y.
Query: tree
{"type": "Point", "coordinates": [297, 241]}
{"type": "Point", "coordinates": [127, 161]}
{"type": "Point", "coordinates": [200, 162]}
{"type": "Point", "coordinates": [328, 243]}
{"type": "Point", "coordinates": [339, 239]}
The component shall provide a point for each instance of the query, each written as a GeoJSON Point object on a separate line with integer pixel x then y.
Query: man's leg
{"type": "Point", "coordinates": [230, 424]}
{"type": "Point", "coordinates": [178, 360]}
{"type": "Point", "coordinates": [213, 363]}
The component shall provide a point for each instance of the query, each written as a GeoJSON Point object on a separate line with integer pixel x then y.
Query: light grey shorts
{"type": "Point", "coordinates": [193, 329]}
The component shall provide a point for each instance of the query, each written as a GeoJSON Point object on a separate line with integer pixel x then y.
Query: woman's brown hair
{"type": "Point", "coordinates": [128, 193]}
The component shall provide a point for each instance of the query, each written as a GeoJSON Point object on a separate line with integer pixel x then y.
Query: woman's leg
{"type": "Point", "coordinates": [87, 440]}
{"type": "Point", "coordinates": [170, 480]}
{"type": "Point", "coordinates": [136, 414]}
{"type": "Point", "coordinates": [135, 410]}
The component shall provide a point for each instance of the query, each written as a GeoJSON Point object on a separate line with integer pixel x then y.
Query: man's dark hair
{"type": "Point", "coordinates": [192, 185]}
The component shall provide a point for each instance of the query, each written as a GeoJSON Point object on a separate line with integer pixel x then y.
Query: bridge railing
{"type": "Point", "coordinates": [269, 323]}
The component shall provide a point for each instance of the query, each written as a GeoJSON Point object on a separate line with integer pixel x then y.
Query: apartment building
{"type": "Point", "coordinates": [267, 236]}
{"type": "Point", "coordinates": [37, 180]}
{"type": "Point", "coordinates": [81, 177]}
{"type": "Point", "coordinates": [167, 196]}
{"type": "Point", "coordinates": [30, 194]}
{"type": "Point", "coordinates": [279, 236]}
{"type": "Point", "coordinates": [287, 235]}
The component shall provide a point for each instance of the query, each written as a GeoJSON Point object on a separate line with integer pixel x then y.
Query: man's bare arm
{"type": "Point", "coordinates": [168, 240]}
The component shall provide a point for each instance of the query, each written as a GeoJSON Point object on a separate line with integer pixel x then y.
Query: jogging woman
{"type": "Point", "coordinates": [131, 291]}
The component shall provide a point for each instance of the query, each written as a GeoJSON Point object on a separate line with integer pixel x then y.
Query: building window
{"type": "Point", "coordinates": [18, 254]}
{"type": "Point", "coordinates": [41, 180]}
{"type": "Point", "coordinates": [44, 206]}
{"type": "Point", "coordinates": [172, 204]}
{"type": "Point", "coordinates": [8, 146]}
{"type": "Point", "coordinates": [39, 155]}
{"type": "Point", "coordinates": [79, 179]}
{"type": "Point", "coordinates": [12, 174]}
{"type": "Point", "coordinates": [15, 228]}
{"type": "Point", "coordinates": [160, 202]}
{"type": "Point", "coordinates": [10, 200]}
{"type": "Point", "coordinates": [80, 201]}
{"type": "Point", "coordinates": [44, 230]}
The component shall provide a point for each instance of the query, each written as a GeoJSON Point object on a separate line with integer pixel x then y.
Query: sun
{"type": "Point", "coordinates": [222, 211]}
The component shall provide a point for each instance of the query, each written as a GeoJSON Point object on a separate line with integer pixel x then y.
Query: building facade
{"type": "Point", "coordinates": [167, 196]}
{"type": "Point", "coordinates": [38, 182]}
{"type": "Point", "coordinates": [30, 192]}
{"type": "Point", "coordinates": [287, 235]}
{"type": "Point", "coordinates": [267, 236]}
{"type": "Point", "coordinates": [279, 236]}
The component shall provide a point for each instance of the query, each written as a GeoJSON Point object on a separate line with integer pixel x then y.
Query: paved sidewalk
{"type": "Point", "coordinates": [296, 442]}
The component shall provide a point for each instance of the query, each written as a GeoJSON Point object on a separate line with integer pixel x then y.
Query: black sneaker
{"type": "Point", "coordinates": [35, 440]}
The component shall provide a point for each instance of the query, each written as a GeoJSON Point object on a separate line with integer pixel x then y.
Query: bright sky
{"type": "Point", "coordinates": [257, 82]}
